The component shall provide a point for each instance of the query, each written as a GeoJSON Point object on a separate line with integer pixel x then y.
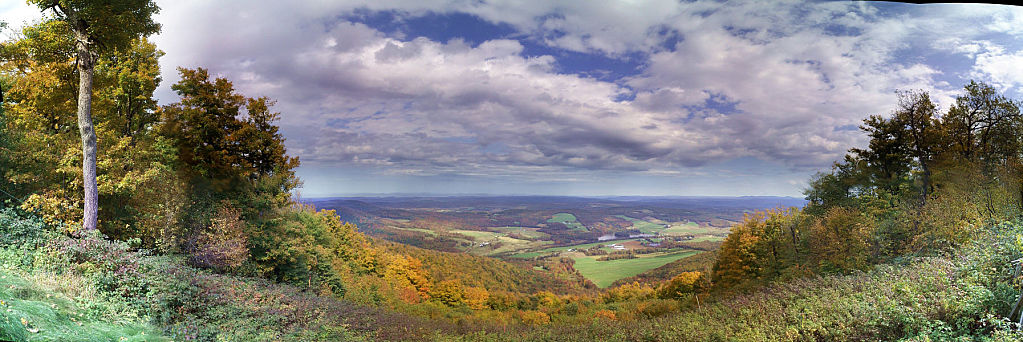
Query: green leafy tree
{"type": "Point", "coordinates": [917, 118]}
{"type": "Point", "coordinates": [98, 26]}
{"type": "Point", "coordinates": [983, 125]}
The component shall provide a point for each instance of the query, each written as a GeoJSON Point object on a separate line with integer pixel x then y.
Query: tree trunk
{"type": "Point", "coordinates": [86, 63]}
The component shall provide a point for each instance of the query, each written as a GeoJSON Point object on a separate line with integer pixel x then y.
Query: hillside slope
{"type": "Point", "coordinates": [968, 295]}
{"type": "Point", "coordinates": [59, 288]}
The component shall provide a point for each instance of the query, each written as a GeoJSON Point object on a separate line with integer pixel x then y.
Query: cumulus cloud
{"type": "Point", "coordinates": [1001, 67]}
{"type": "Point", "coordinates": [716, 81]}
{"type": "Point", "coordinates": [767, 80]}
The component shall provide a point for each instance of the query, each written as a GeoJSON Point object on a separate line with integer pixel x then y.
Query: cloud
{"type": "Point", "coordinates": [764, 80]}
{"type": "Point", "coordinates": [1001, 68]}
{"type": "Point", "coordinates": [779, 81]}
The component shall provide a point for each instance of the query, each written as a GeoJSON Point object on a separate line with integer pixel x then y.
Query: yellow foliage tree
{"type": "Point", "coordinates": [449, 292]}
{"type": "Point", "coordinates": [476, 297]}
{"type": "Point", "coordinates": [840, 240]}
{"type": "Point", "coordinates": [681, 285]}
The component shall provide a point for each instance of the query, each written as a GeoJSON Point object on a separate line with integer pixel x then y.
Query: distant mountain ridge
{"type": "Point", "coordinates": [554, 202]}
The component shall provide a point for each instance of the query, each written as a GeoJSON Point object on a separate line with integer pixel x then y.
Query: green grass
{"type": "Point", "coordinates": [588, 245]}
{"type": "Point", "coordinates": [31, 309]}
{"type": "Point", "coordinates": [643, 226]}
{"type": "Point", "coordinates": [528, 255]}
{"type": "Point", "coordinates": [568, 220]}
{"type": "Point", "coordinates": [603, 273]}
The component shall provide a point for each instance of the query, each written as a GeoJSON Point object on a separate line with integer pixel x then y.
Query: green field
{"type": "Point", "coordinates": [692, 228]}
{"type": "Point", "coordinates": [528, 255]}
{"type": "Point", "coordinates": [532, 233]}
{"type": "Point", "coordinates": [421, 230]}
{"type": "Point", "coordinates": [507, 244]}
{"type": "Point", "coordinates": [603, 273]}
{"type": "Point", "coordinates": [643, 226]}
{"type": "Point", "coordinates": [708, 238]}
{"type": "Point", "coordinates": [569, 220]}
{"type": "Point", "coordinates": [566, 248]}
{"type": "Point", "coordinates": [479, 236]}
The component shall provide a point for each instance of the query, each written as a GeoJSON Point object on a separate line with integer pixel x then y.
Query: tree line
{"type": "Point", "coordinates": [924, 184]}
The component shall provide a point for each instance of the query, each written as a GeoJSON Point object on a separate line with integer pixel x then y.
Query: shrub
{"type": "Point", "coordinates": [223, 245]}
{"type": "Point", "coordinates": [682, 285]}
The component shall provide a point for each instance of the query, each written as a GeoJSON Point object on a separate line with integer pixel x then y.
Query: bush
{"type": "Point", "coordinates": [222, 246]}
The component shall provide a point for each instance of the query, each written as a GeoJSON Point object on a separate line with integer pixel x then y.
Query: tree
{"type": "Point", "coordinates": [229, 147]}
{"type": "Point", "coordinates": [138, 191]}
{"type": "Point", "coordinates": [917, 118]}
{"type": "Point", "coordinates": [839, 240]}
{"type": "Point", "coordinates": [983, 125]}
{"type": "Point", "coordinates": [98, 26]}
{"type": "Point", "coordinates": [682, 285]}
{"type": "Point", "coordinates": [887, 156]}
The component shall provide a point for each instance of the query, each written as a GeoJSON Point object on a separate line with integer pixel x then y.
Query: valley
{"type": "Point", "coordinates": [606, 239]}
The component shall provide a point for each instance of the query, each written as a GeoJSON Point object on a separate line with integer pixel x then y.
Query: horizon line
{"type": "Point", "coordinates": [404, 194]}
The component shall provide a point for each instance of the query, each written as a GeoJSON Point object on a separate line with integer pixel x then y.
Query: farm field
{"type": "Point", "coordinates": [684, 228]}
{"type": "Point", "coordinates": [603, 273]}
{"type": "Point", "coordinates": [692, 228]}
{"type": "Point", "coordinates": [566, 248]}
{"type": "Point", "coordinates": [645, 227]}
{"type": "Point", "coordinates": [503, 243]}
{"type": "Point", "coordinates": [420, 230]}
{"type": "Point", "coordinates": [532, 233]}
{"type": "Point", "coordinates": [568, 220]}
{"type": "Point", "coordinates": [708, 238]}
{"type": "Point", "coordinates": [522, 228]}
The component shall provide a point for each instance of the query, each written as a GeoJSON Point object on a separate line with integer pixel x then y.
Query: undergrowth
{"type": "Point", "coordinates": [88, 288]}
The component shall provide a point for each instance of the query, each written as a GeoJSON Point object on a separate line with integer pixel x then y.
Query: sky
{"type": "Point", "coordinates": [580, 98]}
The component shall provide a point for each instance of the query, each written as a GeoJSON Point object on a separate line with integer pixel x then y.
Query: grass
{"type": "Point", "coordinates": [509, 245]}
{"type": "Point", "coordinates": [643, 226]}
{"type": "Point", "coordinates": [421, 230]}
{"type": "Point", "coordinates": [479, 236]}
{"type": "Point", "coordinates": [692, 228]}
{"type": "Point", "coordinates": [603, 273]}
{"type": "Point", "coordinates": [528, 255]}
{"type": "Point", "coordinates": [588, 245]}
{"type": "Point", "coordinates": [33, 309]}
{"type": "Point", "coordinates": [532, 233]}
{"type": "Point", "coordinates": [568, 220]}
{"type": "Point", "coordinates": [707, 238]}
{"type": "Point", "coordinates": [564, 249]}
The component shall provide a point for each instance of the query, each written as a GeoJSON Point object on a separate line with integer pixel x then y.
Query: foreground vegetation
{"type": "Point", "coordinates": [965, 296]}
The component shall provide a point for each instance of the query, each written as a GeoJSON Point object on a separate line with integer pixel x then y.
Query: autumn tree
{"type": "Point", "coordinates": [840, 240]}
{"type": "Point", "coordinates": [228, 146]}
{"type": "Point", "coordinates": [98, 26]}
{"type": "Point", "coordinates": [682, 285]}
{"type": "Point", "coordinates": [138, 191]}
